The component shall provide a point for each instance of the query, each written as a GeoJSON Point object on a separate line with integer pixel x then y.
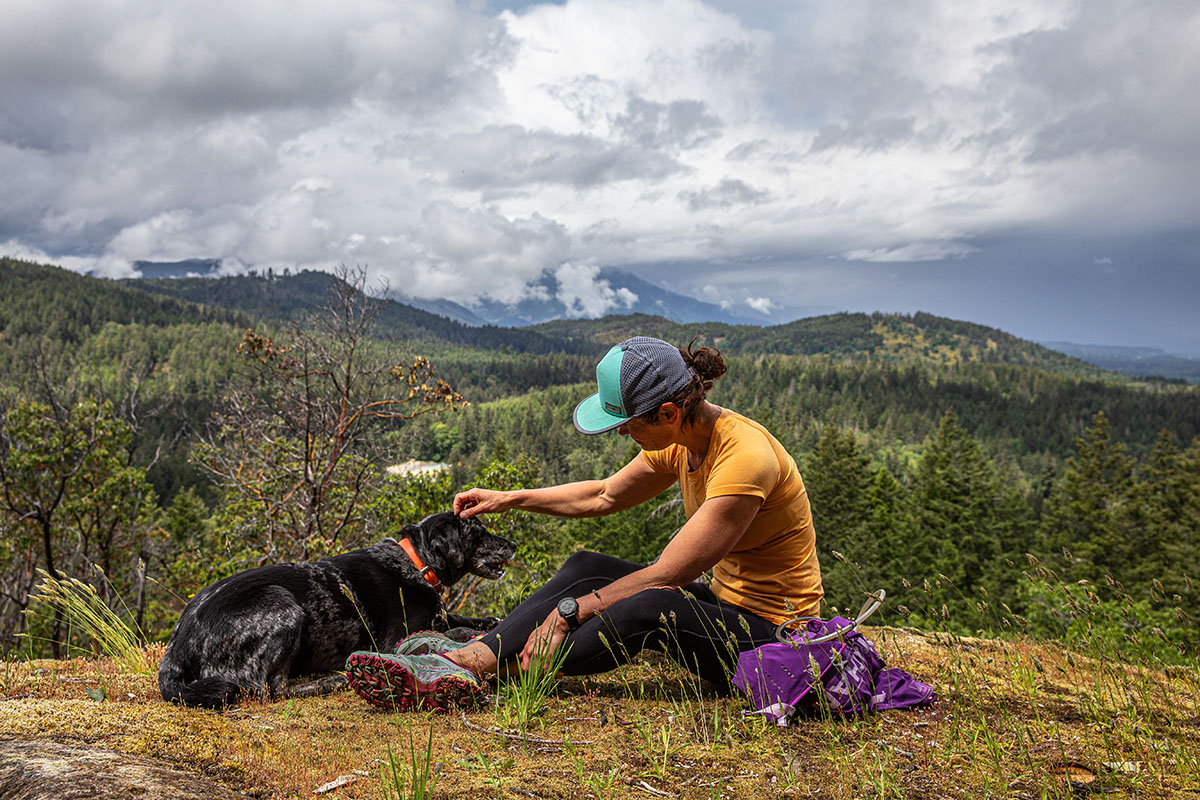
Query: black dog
{"type": "Point", "coordinates": [251, 632]}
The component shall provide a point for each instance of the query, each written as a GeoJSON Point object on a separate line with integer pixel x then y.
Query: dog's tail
{"type": "Point", "coordinates": [212, 692]}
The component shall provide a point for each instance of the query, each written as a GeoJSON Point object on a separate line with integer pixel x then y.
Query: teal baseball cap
{"type": "Point", "coordinates": [635, 377]}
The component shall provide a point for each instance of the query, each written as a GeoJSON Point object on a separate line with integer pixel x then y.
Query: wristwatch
{"type": "Point", "coordinates": [568, 609]}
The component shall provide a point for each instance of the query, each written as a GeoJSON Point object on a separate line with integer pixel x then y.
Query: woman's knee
{"type": "Point", "coordinates": [580, 557]}
{"type": "Point", "coordinates": [587, 563]}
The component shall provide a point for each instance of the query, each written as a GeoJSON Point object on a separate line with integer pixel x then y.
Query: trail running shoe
{"type": "Point", "coordinates": [406, 682]}
{"type": "Point", "coordinates": [424, 643]}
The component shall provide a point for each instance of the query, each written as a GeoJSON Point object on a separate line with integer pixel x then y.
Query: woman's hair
{"type": "Point", "coordinates": [707, 364]}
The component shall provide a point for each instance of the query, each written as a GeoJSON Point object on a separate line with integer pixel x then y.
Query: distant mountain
{"type": "Point", "coordinates": [444, 308]}
{"type": "Point", "coordinates": [293, 296]}
{"type": "Point", "coordinates": [589, 295]}
{"type": "Point", "coordinates": [882, 337]}
{"type": "Point", "coordinates": [609, 291]}
{"type": "Point", "coordinates": [1137, 361]}
{"type": "Point", "coordinates": [889, 337]}
{"type": "Point", "coordinates": [40, 300]}
{"type": "Point", "coordinates": [189, 268]}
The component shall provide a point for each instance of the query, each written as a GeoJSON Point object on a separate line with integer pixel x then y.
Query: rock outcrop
{"type": "Point", "coordinates": [33, 769]}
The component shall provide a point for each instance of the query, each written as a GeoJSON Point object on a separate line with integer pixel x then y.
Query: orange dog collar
{"type": "Point", "coordinates": [426, 571]}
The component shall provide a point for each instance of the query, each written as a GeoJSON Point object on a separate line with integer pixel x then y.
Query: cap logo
{"type": "Point", "coordinates": [613, 408]}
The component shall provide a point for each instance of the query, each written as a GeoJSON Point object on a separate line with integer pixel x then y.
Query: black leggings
{"type": "Point", "coordinates": [691, 626]}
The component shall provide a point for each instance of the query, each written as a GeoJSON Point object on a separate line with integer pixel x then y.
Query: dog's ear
{"type": "Point", "coordinates": [436, 517]}
{"type": "Point", "coordinates": [408, 530]}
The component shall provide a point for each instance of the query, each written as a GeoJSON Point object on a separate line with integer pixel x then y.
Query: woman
{"type": "Point", "coordinates": [748, 520]}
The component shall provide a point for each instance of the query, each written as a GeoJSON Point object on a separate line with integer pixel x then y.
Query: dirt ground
{"type": "Point", "coordinates": [1019, 719]}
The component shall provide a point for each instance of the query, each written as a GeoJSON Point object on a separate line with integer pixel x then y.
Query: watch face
{"type": "Point", "coordinates": [568, 607]}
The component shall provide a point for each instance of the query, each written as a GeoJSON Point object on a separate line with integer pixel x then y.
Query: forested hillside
{"type": "Point", "coordinates": [884, 337]}
{"type": "Point", "coordinates": [1026, 419]}
{"type": "Point", "coordinates": [292, 297]}
{"type": "Point", "coordinates": [173, 432]}
{"type": "Point", "coordinates": [57, 304]}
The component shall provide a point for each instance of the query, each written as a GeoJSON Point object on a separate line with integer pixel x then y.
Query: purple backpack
{"type": "Point", "coordinates": [782, 678]}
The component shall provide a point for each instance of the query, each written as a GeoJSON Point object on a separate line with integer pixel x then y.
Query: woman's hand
{"type": "Point", "coordinates": [545, 640]}
{"type": "Point", "coordinates": [481, 501]}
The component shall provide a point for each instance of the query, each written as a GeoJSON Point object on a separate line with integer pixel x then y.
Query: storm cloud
{"type": "Point", "coordinates": [782, 150]}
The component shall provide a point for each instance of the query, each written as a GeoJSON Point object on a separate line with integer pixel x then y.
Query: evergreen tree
{"type": "Point", "coordinates": [838, 478]}
{"type": "Point", "coordinates": [1090, 521]}
{"type": "Point", "coordinates": [1167, 501]}
{"type": "Point", "coordinates": [886, 501]}
{"type": "Point", "coordinates": [963, 526]}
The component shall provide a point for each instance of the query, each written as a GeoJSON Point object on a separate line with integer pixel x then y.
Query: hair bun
{"type": "Point", "coordinates": [708, 363]}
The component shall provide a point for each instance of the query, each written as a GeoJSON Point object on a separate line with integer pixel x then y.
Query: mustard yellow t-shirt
{"type": "Point", "coordinates": [773, 569]}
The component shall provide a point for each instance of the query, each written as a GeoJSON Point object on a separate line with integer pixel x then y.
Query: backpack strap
{"type": "Point", "coordinates": [870, 606]}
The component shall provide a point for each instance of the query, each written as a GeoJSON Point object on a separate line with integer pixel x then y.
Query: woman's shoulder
{"type": "Point", "coordinates": [731, 423]}
{"type": "Point", "coordinates": [737, 432]}
{"type": "Point", "coordinates": [666, 459]}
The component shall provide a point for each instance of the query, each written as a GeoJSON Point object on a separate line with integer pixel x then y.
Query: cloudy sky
{"type": "Point", "coordinates": [1030, 165]}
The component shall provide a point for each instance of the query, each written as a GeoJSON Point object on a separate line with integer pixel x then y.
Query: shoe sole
{"type": "Point", "coordinates": [385, 684]}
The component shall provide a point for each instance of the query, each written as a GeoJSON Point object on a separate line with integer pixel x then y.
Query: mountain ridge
{"type": "Point", "coordinates": [565, 293]}
{"type": "Point", "coordinates": [1136, 361]}
{"type": "Point", "coordinates": [292, 296]}
{"type": "Point", "coordinates": [919, 336]}
{"type": "Point", "coordinates": [894, 337]}
{"type": "Point", "coordinates": [575, 294]}
{"type": "Point", "coordinates": [885, 336]}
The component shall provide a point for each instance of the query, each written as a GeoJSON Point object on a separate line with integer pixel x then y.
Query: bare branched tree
{"type": "Point", "coordinates": [68, 499]}
{"type": "Point", "coordinates": [297, 445]}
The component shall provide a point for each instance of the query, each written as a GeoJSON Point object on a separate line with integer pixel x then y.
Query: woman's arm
{"type": "Point", "coordinates": [633, 484]}
{"type": "Point", "coordinates": [706, 538]}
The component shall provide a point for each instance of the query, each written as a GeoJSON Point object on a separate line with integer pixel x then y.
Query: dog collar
{"type": "Point", "coordinates": [426, 571]}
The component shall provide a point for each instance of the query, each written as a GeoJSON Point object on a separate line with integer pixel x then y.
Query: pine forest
{"type": "Point", "coordinates": [158, 435]}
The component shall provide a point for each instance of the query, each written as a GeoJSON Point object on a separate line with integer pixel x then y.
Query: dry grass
{"type": "Point", "coordinates": [1015, 719]}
